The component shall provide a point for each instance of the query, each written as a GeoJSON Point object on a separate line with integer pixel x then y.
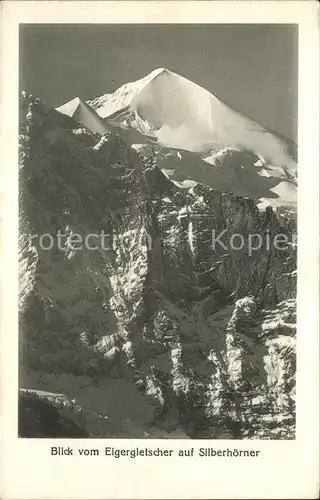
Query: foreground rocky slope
{"type": "Point", "coordinates": [154, 333]}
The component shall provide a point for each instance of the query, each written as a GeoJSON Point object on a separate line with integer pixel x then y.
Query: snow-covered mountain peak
{"type": "Point", "coordinates": [108, 104]}
{"type": "Point", "coordinates": [69, 108]}
{"type": "Point", "coordinates": [181, 114]}
{"type": "Point", "coordinates": [81, 112]}
{"type": "Point", "coordinates": [220, 146]}
{"type": "Point", "coordinates": [156, 72]}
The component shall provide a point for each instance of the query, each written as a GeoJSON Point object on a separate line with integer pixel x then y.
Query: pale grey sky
{"type": "Point", "coordinates": [251, 67]}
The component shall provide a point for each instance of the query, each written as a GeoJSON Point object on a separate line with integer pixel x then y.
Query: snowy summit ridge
{"type": "Point", "coordinates": [181, 114]}
{"type": "Point", "coordinates": [108, 104]}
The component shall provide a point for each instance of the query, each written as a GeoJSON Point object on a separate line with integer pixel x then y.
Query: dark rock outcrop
{"type": "Point", "coordinates": [39, 418]}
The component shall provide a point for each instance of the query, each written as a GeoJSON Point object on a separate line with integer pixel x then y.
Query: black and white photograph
{"type": "Point", "coordinates": [158, 182]}
{"type": "Point", "coordinates": [159, 224]}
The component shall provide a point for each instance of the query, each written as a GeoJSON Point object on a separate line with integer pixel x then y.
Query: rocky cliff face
{"type": "Point", "coordinates": [160, 331]}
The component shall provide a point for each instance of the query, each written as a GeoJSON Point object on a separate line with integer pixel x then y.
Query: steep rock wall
{"type": "Point", "coordinates": [203, 337]}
